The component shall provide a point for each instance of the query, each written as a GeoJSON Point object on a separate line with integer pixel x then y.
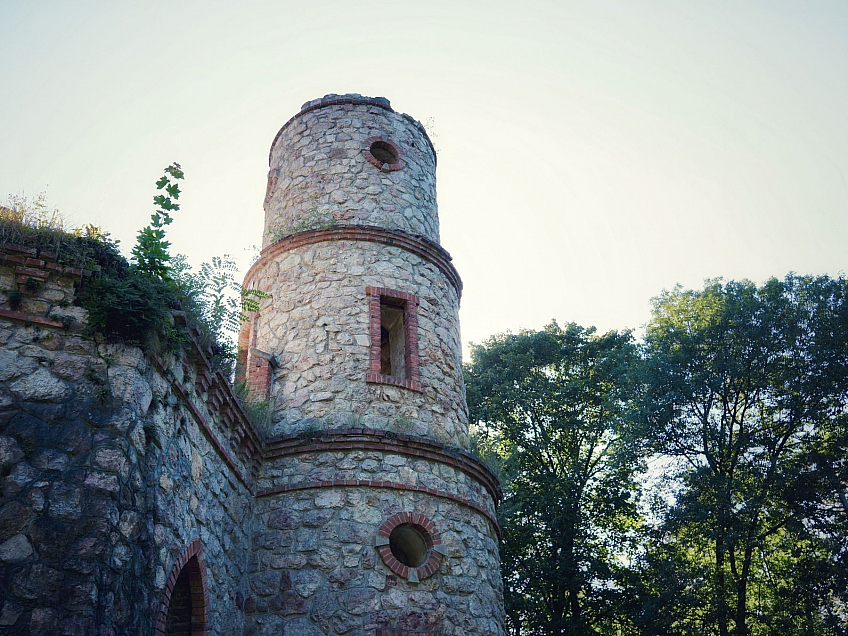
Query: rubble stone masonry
{"type": "Point", "coordinates": [137, 498]}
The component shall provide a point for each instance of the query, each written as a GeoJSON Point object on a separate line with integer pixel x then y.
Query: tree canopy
{"type": "Point", "coordinates": [747, 387]}
{"type": "Point", "coordinates": [738, 398]}
{"type": "Point", "coordinates": [553, 405]}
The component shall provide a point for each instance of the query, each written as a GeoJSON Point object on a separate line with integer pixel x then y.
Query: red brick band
{"type": "Point", "coordinates": [403, 632]}
{"type": "Point", "coordinates": [41, 321]}
{"type": "Point", "coordinates": [341, 440]}
{"type": "Point", "coordinates": [424, 248]}
{"type": "Point", "coordinates": [371, 483]}
{"type": "Point", "coordinates": [192, 560]}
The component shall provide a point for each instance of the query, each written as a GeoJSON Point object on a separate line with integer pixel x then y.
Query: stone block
{"type": "Point", "coordinates": [15, 549]}
{"type": "Point", "coordinates": [41, 386]}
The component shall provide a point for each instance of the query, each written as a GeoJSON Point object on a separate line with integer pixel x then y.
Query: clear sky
{"type": "Point", "coordinates": [591, 154]}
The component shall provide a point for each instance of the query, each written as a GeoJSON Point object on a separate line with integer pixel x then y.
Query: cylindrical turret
{"type": "Point", "coordinates": [372, 517]}
{"type": "Point", "coordinates": [352, 160]}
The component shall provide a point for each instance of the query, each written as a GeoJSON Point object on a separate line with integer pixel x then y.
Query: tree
{"type": "Point", "coordinates": [555, 407]}
{"type": "Point", "coordinates": [747, 387]}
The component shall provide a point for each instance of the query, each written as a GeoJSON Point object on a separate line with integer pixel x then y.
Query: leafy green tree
{"type": "Point", "coordinates": [747, 388]}
{"type": "Point", "coordinates": [556, 406]}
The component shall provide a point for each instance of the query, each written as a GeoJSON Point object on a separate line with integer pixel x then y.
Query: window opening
{"type": "Point", "coordinates": [392, 341]}
{"type": "Point", "coordinates": [394, 338]}
{"type": "Point", "coordinates": [408, 545]}
{"type": "Point", "coordinates": [383, 152]}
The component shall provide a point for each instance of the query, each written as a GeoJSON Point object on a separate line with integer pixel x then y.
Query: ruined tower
{"type": "Point", "coordinates": [371, 516]}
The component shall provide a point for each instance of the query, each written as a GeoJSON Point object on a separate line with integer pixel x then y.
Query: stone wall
{"type": "Point", "coordinates": [319, 173]}
{"type": "Point", "coordinates": [317, 324]}
{"type": "Point", "coordinates": [318, 571]}
{"type": "Point", "coordinates": [111, 463]}
{"type": "Point", "coordinates": [132, 476]}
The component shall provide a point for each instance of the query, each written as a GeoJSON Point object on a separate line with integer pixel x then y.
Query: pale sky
{"type": "Point", "coordinates": [591, 154]}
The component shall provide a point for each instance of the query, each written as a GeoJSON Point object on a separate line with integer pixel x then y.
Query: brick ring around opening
{"type": "Point", "coordinates": [384, 149]}
{"type": "Point", "coordinates": [410, 546]}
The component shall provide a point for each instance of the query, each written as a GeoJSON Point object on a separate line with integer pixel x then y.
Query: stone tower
{"type": "Point", "coordinates": [372, 516]}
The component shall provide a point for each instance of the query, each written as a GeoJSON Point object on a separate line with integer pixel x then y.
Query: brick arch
{"type": "Point", "coordinates": [191, 560]}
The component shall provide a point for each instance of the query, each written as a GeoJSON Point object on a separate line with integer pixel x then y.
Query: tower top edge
{"type": "Point", "coordinates": [354, 99]}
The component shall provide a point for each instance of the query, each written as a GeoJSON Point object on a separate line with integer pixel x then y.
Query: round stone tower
{"type": "Point", "coordinates": [374, 519]}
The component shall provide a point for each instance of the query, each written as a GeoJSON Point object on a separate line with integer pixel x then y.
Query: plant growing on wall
{"type": "Point", "coordinates": [315, 219]}
{"type": "Point", "coordinates": [150, 254]}
{"type": "Point", "coordinates": [130, 302]}
{"type": "Point", "coordinates": [214, 299]}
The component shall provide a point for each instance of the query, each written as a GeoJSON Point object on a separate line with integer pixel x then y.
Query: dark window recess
{"type": "Point", "coordinates": [179, 609]}
{"type": "Point", "coordinates": [408, 543]}
{"type": "Point", "coordinates": [383, 152]}
{"type": "Point", "coordinates": [392, 341]}
{"type": "Point", "coordinates": [394, 338]}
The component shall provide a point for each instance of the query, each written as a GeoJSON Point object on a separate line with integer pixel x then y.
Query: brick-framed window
{"type": "Point", "coordinates": [409, 544]}
{"type": "Point", "coordinates": [382, 153]}
{"type": "Point", "coordinates": [394, 338]}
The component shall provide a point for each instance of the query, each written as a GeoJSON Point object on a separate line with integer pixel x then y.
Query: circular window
{"type": "Point", "coordinates": [410, 546]}
{"type": "Point", "coordinates": [383, 154]}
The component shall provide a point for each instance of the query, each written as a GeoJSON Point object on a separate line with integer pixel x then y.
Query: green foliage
{"type": "Point", "coordinates": [129, 308]}
{"type": "Point", "coordinates": [137, 302]}
{"type": "Point", "coordinates": [32, 223]}
{"type": "Point", "coordinates": [556, 406]}
{"type": "Point", "coordinates": [134, 303]}
{"type": "Point", "coordinates": [259, 412]}
{"type": "Point", "coordinates": [15, 297]}
{"type": "Point", "coordinates": [214, 300]}
{"type": "Point", "coordinates": [747, 387]}
{"type": "Point", "coordinates": [150, 254]}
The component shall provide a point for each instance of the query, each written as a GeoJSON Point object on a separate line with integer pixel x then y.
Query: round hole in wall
{"type": "Point", "coordinates": [408, 544]}
{"type": "Point", "coordinates": [384, 152]}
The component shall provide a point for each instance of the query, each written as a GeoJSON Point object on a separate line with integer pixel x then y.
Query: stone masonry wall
{"type": "Point", "coordinates": [319, 173]}
{"type": "Point", "coordinates": [108, 471]}
{"type": "Point", "coordinates": [318, 573]}
{"type": "Point", "coordinates": [317, 325]}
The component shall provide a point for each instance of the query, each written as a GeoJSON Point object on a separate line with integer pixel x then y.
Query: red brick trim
{"type": "Point", "coordinates": [372, 483]}
{"type": "Point", "coordinates": [341, 440]}
{"type": "Point", "coordinates": [191, 559]}
{"type": "Point", "coordinates": [259, 378]}
{"type": "Point", "coordinates": [242, 433]}
{"type": "Point", "coordinates": [422, 247]}
{"type": "Point", "coordinates": [403, 632]}
{"type": "Point", "coordinates": [20, 316]}
{"type": "Point", "coordinates": [409, 302]}
{"type": "Point", "coordinates": [385, 167]}
{"type": "Point", "coordinates": [427, 530]}
{"type": "Point", "coordinates": [349, 100]}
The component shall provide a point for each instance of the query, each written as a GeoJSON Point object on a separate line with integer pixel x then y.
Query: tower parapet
{"type": "Point", "coordinates": [351, 160]}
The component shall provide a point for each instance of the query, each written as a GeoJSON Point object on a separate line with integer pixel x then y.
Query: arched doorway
{"type": "Point", "coordinates": [183, 611]}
